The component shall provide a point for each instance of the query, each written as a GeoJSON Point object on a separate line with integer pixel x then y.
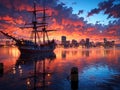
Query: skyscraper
{"type": "Point", "coordinates": [87, 42]}
{"type": "Point", "coordinates": [63, 39]}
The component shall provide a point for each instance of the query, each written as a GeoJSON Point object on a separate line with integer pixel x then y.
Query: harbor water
{"type": "Point", "coordinates": [98, 69]}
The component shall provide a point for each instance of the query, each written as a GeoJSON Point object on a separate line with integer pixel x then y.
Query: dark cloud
{"type": "Point", "coordinates": [14, 8]}
{"type": "Point", "coordinates": [113, 11]}
{"type": "Point", "coordinates": [94, 11]}
{"type": "Point", "coordinates": [108, 7]}
{"type": "Point", "coordinates": [80, 12]}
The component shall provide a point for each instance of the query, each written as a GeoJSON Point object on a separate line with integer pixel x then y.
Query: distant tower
{"type": "Point", "coordinates": [105, 40]}
{"type": "Point", "coordinates": [63, 39]}
{"type": "Point", "coordinates": [87, 42]}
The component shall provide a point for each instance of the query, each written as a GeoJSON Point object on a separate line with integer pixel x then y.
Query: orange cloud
{"type": "Point", "coordinates": [66, 26]}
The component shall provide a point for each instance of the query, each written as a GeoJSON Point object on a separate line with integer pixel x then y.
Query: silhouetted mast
{"type": "Point", "coordinates": [44, 21]}
{"type": "Point", "coordinates": [35, 22]}
{"type": "Point", "coordinates": [44, 30]}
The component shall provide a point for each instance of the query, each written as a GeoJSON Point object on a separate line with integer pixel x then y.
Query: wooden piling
{"type": "Point", "coordinates": [1, 69]}
{"type": "Point", "coordinates": [74, 78]}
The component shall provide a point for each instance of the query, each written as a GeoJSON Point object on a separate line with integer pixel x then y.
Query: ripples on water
{"type": "Point", "coordinates": [99, 69]}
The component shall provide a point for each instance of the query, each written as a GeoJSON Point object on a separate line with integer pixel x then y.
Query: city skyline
{"type": "Point", "coordinates": [74, 19]}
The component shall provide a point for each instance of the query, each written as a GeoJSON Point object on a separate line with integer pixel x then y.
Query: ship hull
{"type": "Point", "coordinates": [36, 49]}
{"type": "Point", "coordinates": [25, 50]}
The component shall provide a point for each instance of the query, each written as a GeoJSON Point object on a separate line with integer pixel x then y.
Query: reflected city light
{"type": "Point", "coordinates": [14, 70]}
{"type": "Point", "coordinates": [28, 82]}
{"type": "Point", "coordinates": [48, 83]}
{"type": "Point", "coordinates": [19, 67]}
{"type": "Point", "coordinates": [48, 75]}
{"type": "Point", "coordinates": [39, 84]}
{"type": "Point", "coordinates": [15, 52]}
{"type": "Point", "coordinates": [20, 71]}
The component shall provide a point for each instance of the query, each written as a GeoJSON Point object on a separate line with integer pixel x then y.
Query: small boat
{"type": "Point", "coordinates": [32, 46]}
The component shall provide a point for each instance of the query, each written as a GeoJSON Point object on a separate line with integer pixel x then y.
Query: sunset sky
{"type": "Point", "coordinates": [76, 19]}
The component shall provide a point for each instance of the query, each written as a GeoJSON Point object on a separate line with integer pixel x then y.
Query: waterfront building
{"type": "Point", "coordinates": [87, 44]}
{"type": "Point", "coordinates": [74, 43]}
{"type": "Point", "coordinates": [63, 39]}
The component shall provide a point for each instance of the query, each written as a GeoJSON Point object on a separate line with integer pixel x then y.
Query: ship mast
{"type": "Point", "coordinates": [35, 22]}
{"type": "Point", "coordinates": [44, 30]}
{"type": "Point", "coordinates": [44, 21]}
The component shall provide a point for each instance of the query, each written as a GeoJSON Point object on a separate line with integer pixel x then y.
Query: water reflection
{"type": "Point", "coordinates": [30, 58]}
{"type": "Point", "coordinates": [98, 69]}
{"type": "Point", "coordinates": [85, 53]}
{"type": "Point", "coordinates": [63, 54]}
{"type": "Point", "coordinates": [95, 65]}
{"type": "Point", "coordinates": [96, 74]}
{"type": "Point", "coordinates": [8, 56]}
{"type": "Point", "coordinates": [38, 72]}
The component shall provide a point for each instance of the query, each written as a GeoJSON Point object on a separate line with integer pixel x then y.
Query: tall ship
{"type": "Point", "coordinates": [32, 45]}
